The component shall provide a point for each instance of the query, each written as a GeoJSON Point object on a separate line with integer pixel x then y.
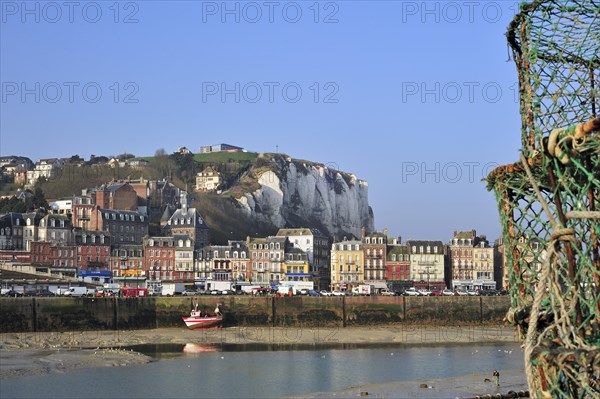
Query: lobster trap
{"type": "Point", "coordinates": [549, 201]}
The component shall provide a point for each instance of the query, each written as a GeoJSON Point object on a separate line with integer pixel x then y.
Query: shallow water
{"type": "Point", "coordinates": [267, 371]}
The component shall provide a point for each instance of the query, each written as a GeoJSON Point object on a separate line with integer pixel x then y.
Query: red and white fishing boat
{"type": "Point", "coordinates": [199, 319]}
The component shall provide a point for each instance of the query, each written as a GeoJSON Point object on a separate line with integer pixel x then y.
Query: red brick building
{"type": "Point", "coordinates": [121, 196]}
{"type": "Point", "coordinates": [93, 250]}
{"type": "Point", "coordinates": [127, 264]}
{"type": "Point", "coordinates": [159, 258]}
{"type": "Point", "coordinates": [58, 258]}
{"type": "Point", "coordinates": [397, 264]}
{"type": "Point", "coordinates": [374, 247]}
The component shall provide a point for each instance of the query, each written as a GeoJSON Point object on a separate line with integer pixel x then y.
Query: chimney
{"type": "Point", "coordinates": [385, 231]}
{"type": "Point", "coordinates": [363, 232]}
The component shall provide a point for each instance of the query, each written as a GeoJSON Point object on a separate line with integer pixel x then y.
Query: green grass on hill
{"type": "Point", "coordinates": [220, 157]}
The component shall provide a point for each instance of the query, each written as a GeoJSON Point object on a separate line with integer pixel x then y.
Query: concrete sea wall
{"type": "Point", "coordinates": [68, 314]}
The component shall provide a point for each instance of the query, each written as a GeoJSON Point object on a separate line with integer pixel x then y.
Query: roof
{"type": "Point", "coordinates": [465, 234]}
{"type": "Point", "coordinates": [294, 232]}
{"type": "Point", "coordinates": [187, 218]}
{"type": "Point", "coordinates": [166, 214]}
{"type": "Point", "coordinates": [397, 250]}
{"type": "Point", "coordinates": [137, 216]}
{"type": "Point", "coordinates": [423, 243]}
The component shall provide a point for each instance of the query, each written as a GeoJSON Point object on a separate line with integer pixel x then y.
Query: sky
{"type": "Point", "coordinates": [415, 97]}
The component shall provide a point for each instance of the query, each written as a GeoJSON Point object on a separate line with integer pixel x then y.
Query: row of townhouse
{"type": "Point", "coordinates": [467, 262]}
{"type": "Point", "coordinates": [117, 242]}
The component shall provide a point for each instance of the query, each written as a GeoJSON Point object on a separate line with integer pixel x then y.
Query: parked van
{"type": "Point", "coordinates": [80, 291]}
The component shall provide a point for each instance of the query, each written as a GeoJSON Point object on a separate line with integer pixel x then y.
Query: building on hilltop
{"type": "Point", "coordinates": [219, 148]}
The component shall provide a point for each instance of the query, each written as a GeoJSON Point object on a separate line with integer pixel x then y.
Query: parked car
{"type": "Point", "coordinates": [448, 293]}
{"type": "Point", "coordinates": [461, 293]}
{"type": "Point", "coordinates": [412, 291]}
{"type": "Point", "coordinates": [338, 293]}
{"type": "Point", "coordinates": [312, 293]}
{"type": "Point", "coordinates": [13, 293]}
{"type": "Point", "coordinates": [44, 293]}
{"type": "Point", "coordinates": [472, 293]}
{"type": "Point", "coordinates": [436, 293]}
{"type": "Point", "coordinates": [489, 292]}
{"type": "Point", "coordinates": [387, 293]}
{"type": "Point", "coordinates": [304, 291]}
{"type": "Point", "coordinates": [226, 292]}
{"type": "Point", "coordinates": [424, 292]}
{"type": "Point", "coordinates": [189, 293]}
{"type": "Point", "coordinates": [325, 293]}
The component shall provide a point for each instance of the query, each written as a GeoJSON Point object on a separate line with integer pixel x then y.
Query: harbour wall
{"type": "Point", "coordinates": [71, 314]}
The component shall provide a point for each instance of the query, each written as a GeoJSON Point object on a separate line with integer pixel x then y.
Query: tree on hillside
{"type": "Point", "coordinates": [12, 204]}
{"type": "Point", "coordinates": [95, 160]}
{"type": "Point", "coordinates": [160, 153]}
{"type": "Point", "coordinates": [75, 159]}
{"type": "Point", "coordinates": [38, 200]}
{"type": "Point", "coordinates": [125, 155]}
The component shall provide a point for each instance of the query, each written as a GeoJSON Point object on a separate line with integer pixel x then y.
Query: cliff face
{"type": "Point", "coordinates": [293, 193]}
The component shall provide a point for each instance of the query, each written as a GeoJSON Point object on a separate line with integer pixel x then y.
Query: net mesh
{"type": "Point", "coordinates": [549, 202]}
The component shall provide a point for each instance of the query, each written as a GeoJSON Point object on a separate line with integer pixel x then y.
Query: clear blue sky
{"type": "Point", "coordinates": [403, 94]}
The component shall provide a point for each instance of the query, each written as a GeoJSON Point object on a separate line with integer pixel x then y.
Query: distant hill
{"type": "Point", "coordinates": [261, 192]}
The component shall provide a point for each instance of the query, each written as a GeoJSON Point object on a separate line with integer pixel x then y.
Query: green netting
{"type": "Point", "coordinates": [549, 202]}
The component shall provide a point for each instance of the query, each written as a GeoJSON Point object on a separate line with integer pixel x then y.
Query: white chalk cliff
{"type": "Point", "coordinates": [303, 194]}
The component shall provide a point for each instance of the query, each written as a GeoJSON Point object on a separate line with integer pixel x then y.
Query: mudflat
{"type": "Point", "coordinates": [23, 354]}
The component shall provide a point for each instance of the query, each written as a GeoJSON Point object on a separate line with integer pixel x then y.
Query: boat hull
{"type": "Point", "coordinates": [198, 323]}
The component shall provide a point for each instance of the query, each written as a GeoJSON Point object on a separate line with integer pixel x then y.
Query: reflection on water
{"type": "Point", "coordinates": [265, 371]}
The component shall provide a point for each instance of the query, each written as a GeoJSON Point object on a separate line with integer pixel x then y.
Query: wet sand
{"type": "Point", "coordinates": [468, 386]}
{"type": "Point", "coordinates": [24, 354]}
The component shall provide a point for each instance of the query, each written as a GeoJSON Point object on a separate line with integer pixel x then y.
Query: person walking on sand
{"type": "Point", "coordinates": [496, 375]}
